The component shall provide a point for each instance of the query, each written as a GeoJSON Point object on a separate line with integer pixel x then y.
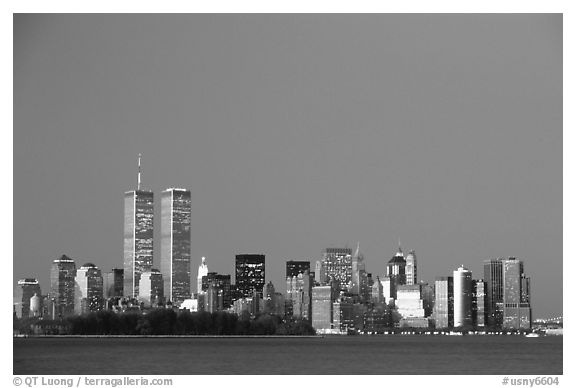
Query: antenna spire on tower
{"type": "Point", "coordinates": [139, 171]}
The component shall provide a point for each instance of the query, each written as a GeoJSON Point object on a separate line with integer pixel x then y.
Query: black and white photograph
{"type": "Point", "coordinates": [287, 194]}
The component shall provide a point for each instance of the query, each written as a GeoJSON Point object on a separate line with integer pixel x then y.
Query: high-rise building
{"type": "Point", "coordinates": [427, 297]}
{"type": "Point", "coordinates": [151, 288]}
{"type": "Point", "coordinates": [411, 268]}
{"type": "Point", "coordinates": [377, 292]}
{"type": "Point", "coordinates": [396, 271]}
{"type": "Point", "coordinates": [494, 288]}
{"type": "Point", "coordinates": [444, 302]}
{"type": "Point", "coordinates": [479, 303]}
{"type": "Point", "coordinates": [322, 307]}
{"type": "Point", "coordinates": [299, 294]}
{"type": "Point", "coordinates": [25, 290]}
{"type": "Point", "coordinates": [250, 274]}
{"type": "Point", "coordinates": [175, 246]}
{"type": "Point", "coordinates": [462, 297]}
{"type": "Point", "coordinates": [114, 283]}
{"type": "Point", "coordinates": [202, 271]}
{"type": "Point", "coordinates": [517, 313]}
{"type": "Point", "coordinates": [89, 289]}
{"type": "Point", "coordinates": [221, 283]}
{"type": "Point", "coordinates": [409, 301]}
{"type": "Point", "coordinates": [359, 276]}
{"type": "Point", "coordinates": [293, 267]}
{"type": "Point", "coordinates": [320, 273]}
{"type": "Point", "coordinates": [337, 264]}
{"type": "Point", "coordinates": [386, 289]}
{"type": "Point", "coordinates": [138, 236]}
{"type": "Point", "coordinates": [62, 280]}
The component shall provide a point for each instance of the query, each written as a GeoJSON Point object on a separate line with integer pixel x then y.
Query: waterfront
{"type": "Point", "coordinates": [348, 355]}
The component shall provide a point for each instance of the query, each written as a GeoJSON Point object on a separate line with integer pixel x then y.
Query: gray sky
{"type": "Point", "coordinates": [295, 133]}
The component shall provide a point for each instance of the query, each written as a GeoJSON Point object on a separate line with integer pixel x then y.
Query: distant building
{"type": "Point", "coordinates": [114, 283]}
{"type": "Point", "coordinates": [409, 301]}
{"type": "Point", "coordinates": [377, 292]}
{"type": "Point", "coordinates": [396, 271]}
{"type": "Point", "coordinates": [320, 273]}
{"type": "Point", "coordinates": [138, 236]}
{"type": "Point", "coordinates": [337, 264]}
{"type": "Point", "coordinates": [322, 298]}
{"type": "Point", "coordinates": [293, 267]}
{"type": "Point", "coordinates": [89, 289]}
{"type": "Point", "coordinates": [427, 297]}
{"type": "Point", "coordinates": [359, 284]}
{"type": "Point", "coordinates": [221, 283]}
{"type": "Point", "coordinates": [62, 281]}
{"type": "Point", "coordinates": [386, 288]}
{"type": "Point", "coordinates": [462, 297]}
{"type": "Point", "coordinates": [479, 303]}
{"type": "Point", "coordinates": [411, 268]}
{"type": "Point", "coordinates": [25, 290]}
{"type": "Point", "coordinates": [343, 314]}
{"type": "Point", "coordinates": [35, 306]}
{"type": "Point", "coordinates": [494, 291]}
{"type": "Point", "coordinates": [202, 271]}
{"type": "Point", "coordinates": [517, 313]}
{"type": "Point", "coordinates": [151, 288]}
{"type": "Point", "coordinates": [175, 247]}
{"type": "Point", "coordinates": [250, 274]}
{"type": "Point", "coordinates": [444, 302]}
{"type": "Point", "coordinates": [299, 293]}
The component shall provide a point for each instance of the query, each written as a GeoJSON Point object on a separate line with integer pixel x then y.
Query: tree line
{"type": "Point", "coordinates": [165, 322]}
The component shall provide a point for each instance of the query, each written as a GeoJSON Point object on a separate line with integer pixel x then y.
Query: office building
{"type": "Point", "coordinates": [411, 268]}
{"type": "Point", "coordinates": [479, 303]}
{"type": "Point", "coordinates": [114, 283]}
{"type": "Point", "coordinates": [299, 293]}
{"type": "Point", "coordinates": [444, 302]}
{"type": "Point", "coordinates": [151, 288]}
{"type": "Point", "coordinates": [250, 274]}
{"type": "Point", "coordinates": [343, 314]}
{"type": "Point", "coordinates": [138, 236]}
{"type": "Point", "coordinates": [427, 297]}
{"type": "Point", "coordinates": [462, 298]}
{"type": "Point", "coordinates": [293, 268]}
{"type": "Point", "coordinates": [222, 283]}
{"type": "Point", "coordinates": [62, 281]}
{"type": "Point", "coordinates": [202, 271]}
{"type": "Point", "coordinates": [322, 297]}
{"type": "Point", "coordinates": [319, 273]}
{"type": "Point", "coordinates": [89, 289]}
{"type": "Point", "coordinates": [396, 271]}
{"type": "Point", "coordinates": [517, 313]}
{"type": "Point", "coordinates": [494, 288]}
{"type": "Point", "coordinates": [377, 295]}
{"type": "Point", "coordinates": [337, 264]}
{"type": "Point", "coordinates": [386, 289]}
{"type": "Point", "coordinates": [175, 245]}
{"type": "Point", "coordinates": [25, 290]}
{"type": "Point", "coordinates": [359, 284]}
{"type": "Point", "coordinates": [409, 301]}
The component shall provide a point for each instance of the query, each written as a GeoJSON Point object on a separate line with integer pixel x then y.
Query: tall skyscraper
{"type": "Point", "coordinates": [337, 264]}
{"type": "Point", "coordinates": [396, 271]}
{"type": "Point", "coordinates": [175, 246]}
{"type": "Point", "coordinates": [359, 276]}
{"type": "Point", "coordinates": [411, 268]}
{"type": "Point", "coordinates": [202, 271]}
{"type": "Point", "coordinates": [25, 290]}
{"type": "Point", "coordinates": [462, 297]}
{"type": "Point", "coordinates": [479, 303]}
{"type": "Point", "coordinates": [322, 297]}
{"type": "Point", "coordinates": [138, 235]}
{"type": "Point", "coordinates": [299, 294]}
{"type": "Point", "coordinates": [62, 278]}
{"type": "Point", "coordinates": [250, 274]}
{"type": "Point", "coordinates": [89, 289]}
{"type": "Point", "coordinates": [221, 283]}
{"type": "Point", "coordinates": [493, 279]}
{"type": "Point", "coordinates": [444, 302]}
{"type": "Point", "coordinates": [517, 313]}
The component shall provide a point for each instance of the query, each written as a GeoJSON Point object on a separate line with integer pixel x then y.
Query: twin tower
{"type": "Point", "coordinates": [174, 245]}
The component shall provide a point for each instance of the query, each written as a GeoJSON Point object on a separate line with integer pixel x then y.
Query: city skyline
{"type": "Point", "coordinates": [286, 158]}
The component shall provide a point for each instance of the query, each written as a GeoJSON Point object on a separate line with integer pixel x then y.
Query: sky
{"type": "Point", "coordinates": [294, 133]}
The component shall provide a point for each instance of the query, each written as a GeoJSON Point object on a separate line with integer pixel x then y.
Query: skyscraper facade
{"type": "Point", "coordinates": [337, 264]}
{"type": "Point", "coordinates": [175, 245]}
{"type": "Point", "coordinates": [494, 288]}
{"type": "Point", "coordinates": [89, 289]}
{"type": "Point", "coordinates": [202, 271]}
{"type": "Point", "coordinates": [322, 307]}
{"type": "Point", "coordinates": [138, 236]}
{"type": "Point", "coordinates": [396, 271]}
{"type": "Point", "coordinates": [293, 267]}
{"type": "Point", "coordinates": [221, 283]}
{"type": "Point", "coordinates": [411, 268]}
{"type": "Point", "coordinates": [151, 288]}
{"type": "Point", "coordinates": [517, 313]}
{"type": "Point", "coordinates": [462, 297]}
{"type": "Point", "coordinates": [62, 281]}
{"type": "Point", "coordinates": [250, 274]}
{"type": "Point", "coordinates": [444, 302]}
{"type": "Point", "coordinates": [114, 283]}
{"type": "Point", "coordinates": [479, 303]}
{"type": "Point", "coordinates": [359, 284]}
{"type": "Point", "coordinates": [299, 294]}
{"type": "Point", "coordinates": [25, 290]}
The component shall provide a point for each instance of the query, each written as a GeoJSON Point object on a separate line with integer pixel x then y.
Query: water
{"type": "Point", "coordinates": [351, 355]}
